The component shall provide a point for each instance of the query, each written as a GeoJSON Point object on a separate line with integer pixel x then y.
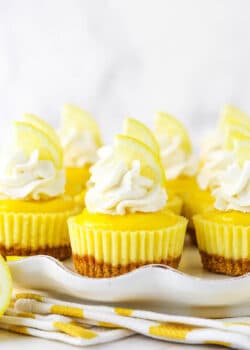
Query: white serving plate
{"type": "Point", "coordinates": [190, 290]}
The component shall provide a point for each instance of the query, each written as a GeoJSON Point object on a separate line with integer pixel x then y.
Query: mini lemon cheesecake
{"type": "Point", "coordinates": [198, 202]}
{"type": "Point", "coordinates": [33, 211]}
{"type": "Point", "coordinates": [125, 224]}
{"type": "Point", "coordinates": [178, 160]}
{"type": "Point", "coordinates": [223, 234]}
{"type": "Point", "coordinates": [217, 153]}
{"type": "Point", "coordinates": [80, 137]}
{"type": "Point", "coordinates": [6, 286]}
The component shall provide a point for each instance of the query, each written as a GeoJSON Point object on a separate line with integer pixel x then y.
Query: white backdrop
{"type": "Point", "coordinates": [119, 57]}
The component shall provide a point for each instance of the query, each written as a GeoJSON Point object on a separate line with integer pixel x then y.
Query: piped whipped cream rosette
{"type": "Point", "coordinates": [80, 137]}
{"type": "Point", "coordinates": [125, 224]}
{"type": "Point", "coordinates": [233, 191]}
{"type": "Point", "coordinates": [33, 211]}
{"type": "Point", "coordinates": [28, 177]}
{"type": "Point", "coordinates": [223, 234]}
{"type": "Point", "coordinates": [118, 188]}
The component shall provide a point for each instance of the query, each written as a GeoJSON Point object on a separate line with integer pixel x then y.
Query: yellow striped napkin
{"type": "Point", "coordinates": [83, 325]}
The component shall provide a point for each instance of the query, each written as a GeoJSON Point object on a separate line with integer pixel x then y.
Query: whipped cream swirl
{"type": "Point", "coordinates": [115, 188]}
{"type": "Point", "coordinates": [175, 160]}
{"type": "Point", "coordinates": [79, 147]}
{"type": "Point", "coordinates": [233, 192]}
{"type": "Point", "coordinates": [23, 177]}
{"type": "Point", "coordinates": [215, 163]}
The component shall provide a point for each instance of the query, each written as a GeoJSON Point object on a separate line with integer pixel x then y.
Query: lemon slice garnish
{"type": "Point", "coordinates": [134, 128]}
{"type": "Point", "coordinates": [43, 126]}
{"type": "Point", "coordinates": [242, 149]}
{"type": "Point", "coordinates": [75, 117]}
{"type": "Point", "coordinates": [5, 286]}
{"type": "Point", "coordinates": [28, 138]}
{"type": "Point", "coordinates": [167, 125]}
{"type": "Point", "coordinates": [233, 134]}
{"type": "Point", "coordinates": [130, 149]}
{"type": "Point", "coordinates": [232, 116]}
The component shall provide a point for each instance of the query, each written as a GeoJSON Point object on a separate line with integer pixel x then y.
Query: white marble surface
{"type": "Point", "coordinates": [118, 57]}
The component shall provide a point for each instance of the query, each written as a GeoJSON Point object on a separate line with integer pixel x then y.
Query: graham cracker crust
{"type": "Point", "coordinates": [61, 252]}
{"type": "Point", "coordinates": [219, 264]}
{"type": "Point", "coordinates": [87, 266]}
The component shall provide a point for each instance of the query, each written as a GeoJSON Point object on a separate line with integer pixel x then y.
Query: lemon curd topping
{"type": "Point", "coordinates": [36, 206]}
{"type": "Point", "coordinates": [137, 221]}
{"type": "Point", "coordinates": [231, 217]}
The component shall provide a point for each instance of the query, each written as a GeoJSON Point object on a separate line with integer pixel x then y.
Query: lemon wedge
{"type": "Point", "coordinates": [5, 286]}
{"type": "Point", "coordinates": [134, 128]}
{"type": "Point", "coordinates": [167, 125]}
{"type": "Point", "coordinates": [28, 138]}
{"type": "Point", "coordinates": [233, 134]}
{"type": "Point", "coordinates": [233, 116]}
{"type": "Point", "coordinates": [130, 149]}
{"type": "Point", "coordinates": [242, 149]}
{"type": "Point", "coordinates": [43, 126]}
{"type": "Point", "coordinates": [76, 117]}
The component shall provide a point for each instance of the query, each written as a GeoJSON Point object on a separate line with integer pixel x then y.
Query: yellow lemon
{"type": "Point", "coordinates": [5, 286]}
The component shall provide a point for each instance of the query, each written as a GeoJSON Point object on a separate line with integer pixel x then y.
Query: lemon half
{"type": "Point", "coordinates": [5, 286]}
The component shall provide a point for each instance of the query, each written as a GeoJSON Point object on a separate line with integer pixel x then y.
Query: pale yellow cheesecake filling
{"type": "Point", "coordinates": [138, 237]}
{"type": "Point", "coordinates": [225, 234]}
